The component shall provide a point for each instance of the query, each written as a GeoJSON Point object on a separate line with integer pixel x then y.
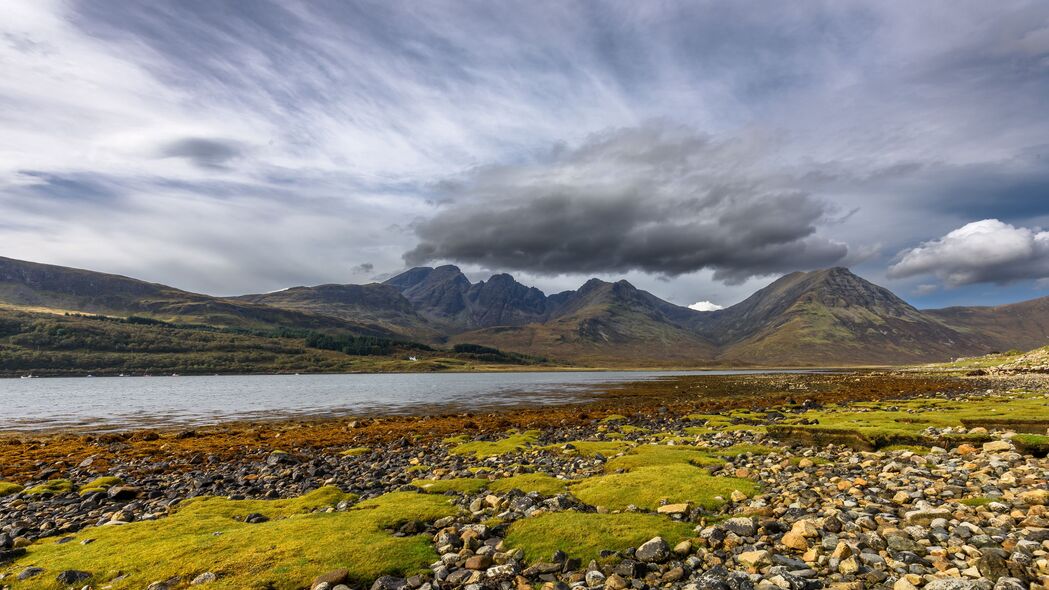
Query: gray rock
{"type": "Point", "coordinates": [654, 551]}
{"type": "Point", "coordinates": [72, 577]}
{"type": "Point", "coordinates": [741, 526]}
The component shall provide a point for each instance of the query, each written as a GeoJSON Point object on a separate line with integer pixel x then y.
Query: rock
{"type": "Point", "coordinates": [737, 496]}
{"type": "Point", "coordinates": [1010, 584]}
{"type": "Point", "coordinates": [655, 550]}
{"type": "Point", "coordinates": [997, 446]}
{"type": "Point", "coordinates": [70, 577]}
{"type": "Point", "coordinates": [683, 548]}
{"type": "Point", "coordinates": [30, 572]}
{"type": "Point", "coordinates": [754, 559]}
{"type": "Point", "coordinates": [952, 584]}
{"type": "Point", "coordinates": [123, 492]}
{"type": "Point", "coordinates": [904, 584]}
{"type": "Point", "coordinates": [615, 582]}
{"type": "Point", "coordinates": [992, 565]}
{"type": "Point", "coordinates": [1035, 497]}
{"type": "Point", "coordinates": [204, 578]}
{"type": "Point", "coordinates": [674, 508]}
{"type": "Point", "coordinates": [925, 516]}
{"type": "Point", "coordinates": [389, 583]}
{"type": "Point", "coordinates": [339, 576]}
{"type": "Point", "coordinates": [849, 566]}
{"type": "Point", "coordinates": [478, 562]}
{"type": "Point", "coordinates": [594, 578]}
{"type": "Point", "coordinates": [795, 540]}
{"type": "Point", "coordinates": [741, 526]}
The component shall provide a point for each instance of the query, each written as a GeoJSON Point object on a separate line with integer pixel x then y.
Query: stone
{"type": "Point", "coordinates": [737, 496]}
{"type": "Point", "coordinates": [255, 518]}
{"type": "Point", "coordinates": [478, 562]}
{"type": "Point", "coordinates": [1035, 497]}
{"type": "Point", "coordinates": [683, 548]}
{"type": "Point", "coordinates": [741, 526]}
{"type": "Point", "coordinates": [849, 566]}
{"type": "Point", "coordinates": [30, 572]}
{"type": "Point", "coordinates": [795, 540]}
{"type": "Point", "coordinates": [681, 508]}
{"type": "Point", "coordinates": [755, 559]}
{"type": "Point", "coordinates": [904, 584]}
{"type": "Point", "coordinates": [123, 492]}
{"type": "Point", "coordinates": [655, 550]}
{"type": "Point", "coordinates": [338, 576]}
{"type": "Point", "coordinates": [69, 577]}
{"type": "Point", "coordinates": [615, 582]}
{"type": "Point", "coordinates": [203, 578]}
{"type": "Point", "coordinates": [952, 584]}
{"type": "Point", "coordinates": [997, 446]}
{"type": "Point", "coordinates": [389, 583]}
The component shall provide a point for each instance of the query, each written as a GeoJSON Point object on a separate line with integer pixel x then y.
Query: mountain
{"type": "Point", "coordinates": [827, 317]}
{"type": "Point", "coordinates": [824, 317]}
{"type": "Point", "coordinates": [374, 304]}
{"type": "Point", "coordinates": [1021, 326]}
{"type": "Point", "coordinates": [33, 285]}
{"type": "Point", "coordinates": [447, 298]}
{"type": "Point", "coordinates": [605, 322]}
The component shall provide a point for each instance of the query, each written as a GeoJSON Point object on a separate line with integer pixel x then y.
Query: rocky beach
{"type": "Point", "coordinates": [798, 482]}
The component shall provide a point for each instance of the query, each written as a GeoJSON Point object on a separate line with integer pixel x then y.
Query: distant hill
{"type": "Point", "coordinates": [46, 286]}
{"type": "Point", "coordinates": [818, 318]}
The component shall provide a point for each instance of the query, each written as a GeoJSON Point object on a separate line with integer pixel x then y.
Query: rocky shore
{"type": "Point", "coordinates": [787, 515]}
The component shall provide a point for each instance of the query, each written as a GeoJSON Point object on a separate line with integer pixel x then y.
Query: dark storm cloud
{"type": "Point", "coordinates": [656, 198]}
{"type": "Point", "coordinates": [202, 151]}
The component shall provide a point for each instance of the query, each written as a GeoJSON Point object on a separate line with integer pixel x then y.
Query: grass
{"type": "Point", "coordinates": [585, 535]}
{"type": "Point", "coordinates": [7, 488]}
{"type": "Point", "coordinates": [655, 455]}
{"type": "Point", "coordinates": [530, 482]}
{"type": "Point", "coordinates": [1037, 444]}
{"type": "Point", "coordinates": [649, 487]}
{"type": "Point", "coordinates": [590, 448]}
{"type": "Point", "coordinates": [462, 485]}
{"type": "Point", "coordinates": [743, 449]}
{"type": "Point", "coordinates": [355, 451]}
{"type": "Point", "coordinates": [54, 487]}
{"type": "Point", "coordinates": [482, 449]}
{"type": "Point", "coordinates": [613, 418]}
{"type": "Point", "coordinates": [208, 534]}
{"type": "Point", "coordinates": [101, 484]}
{"type": "Point", "coordinates": [916, 449]}
{"type": "Point", "coordinates": [885, 424]}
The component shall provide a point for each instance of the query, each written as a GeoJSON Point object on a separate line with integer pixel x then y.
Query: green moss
{"type": "Point", "coordinates": [629, 429]}
{"type": "Point", "coordinates": [355, 451]}
{"type": "Point", "coordinates": [462, 485]}
{"type": "Point", "coordinates": [613, 418]}
{"type": "Point", "coordinates": [654, 455]}
{"type": "Point", "coordinates": [978, 501]}
{"type": "Point", "coordinates": [481, 449]}
{"type": "Point", "coordinates": [1037, 444]}
{"type": "Point", "coordinates": [530, 482]}
{"type": "Point", "coordinates": [54, 487]}
{"type": "Point", "coordinates": [649, 487]}
{"type": "Point", "coordinates": [417, 468]}
{"type": "Point", "coordinates": [208, 534]}
{"type": "Point", "coordinates": [101, 484]}
{"type": "Point", "coordinates": [590, 448]}
{"type": "Point", "coordinates": [457, 439]}
{"type": "Point", "coordinates": [7, 488]}
{"type": "Point", "coordinates": [916, 449]}
{"type": "Point", "coordinates": [585, 535]}
{"type": "Point", "coordinates": [743, 449]}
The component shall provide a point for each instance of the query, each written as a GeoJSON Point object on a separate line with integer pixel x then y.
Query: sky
{"type": "Point", "coordinates": [696, 149]}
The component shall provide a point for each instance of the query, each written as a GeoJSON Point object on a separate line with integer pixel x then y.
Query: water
{"type": "Point", "coordinates": [114, 403]}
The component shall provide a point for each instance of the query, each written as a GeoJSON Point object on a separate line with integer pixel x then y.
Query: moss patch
{"type": "Point", "coordinates": [530, 482]}
{"type": "Point", "coordinates": [355, 451]}
{"type": "Point", "coordinates": [743, 449]}
{"type": "Point", "coordinates": [585, 535]}
{"type": "Point", "coordinates": [482, 448]}
{"type": "Point", "coordinates": [653, 455]}
{"type": "Point", "coordinates": [590, 448]}
{"type": "Point", "coordinates": [100, 484]}
{"type": "Point", "coordinates": [974, 502]}
{"type": "Point", "coordinates": [649, 487]}
{"type": "Point", "coordinates": [54, 487]}
{"type": "Point", "coordinates": [462, 485]}
{"type": "Point", "coordinates": [208, 534]}
{"type": "Point", "coordinates": [7, 488]}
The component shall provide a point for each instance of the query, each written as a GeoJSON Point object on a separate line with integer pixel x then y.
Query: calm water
{"type": "Point", "coordinates": [108, 403]}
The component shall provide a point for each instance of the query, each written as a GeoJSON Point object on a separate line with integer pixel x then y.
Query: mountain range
{"type": "Point", "coordinates": [824, 317]}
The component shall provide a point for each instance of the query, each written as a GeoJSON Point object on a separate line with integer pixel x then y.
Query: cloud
{"type": "Point", "coordinates": [705, 306]}
{"type": "Point", "coordinates": [656, 198]}
{"type": "Point", "coordinates": [987, 251]}
{"type": "Point", "coordinates": [202, 151]}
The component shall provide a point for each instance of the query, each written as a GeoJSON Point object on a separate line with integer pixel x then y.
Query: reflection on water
{"type": "Point", "coordinates": [106, 403]}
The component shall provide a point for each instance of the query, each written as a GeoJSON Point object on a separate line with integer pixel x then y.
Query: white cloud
{"type": "Point", "coordinates": [705, 306]}
{"type": "Point", "coordinates": [987, 251]}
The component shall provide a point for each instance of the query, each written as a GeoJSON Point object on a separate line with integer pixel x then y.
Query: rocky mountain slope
{"type": "Point", "coordinates": [824, 317]}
